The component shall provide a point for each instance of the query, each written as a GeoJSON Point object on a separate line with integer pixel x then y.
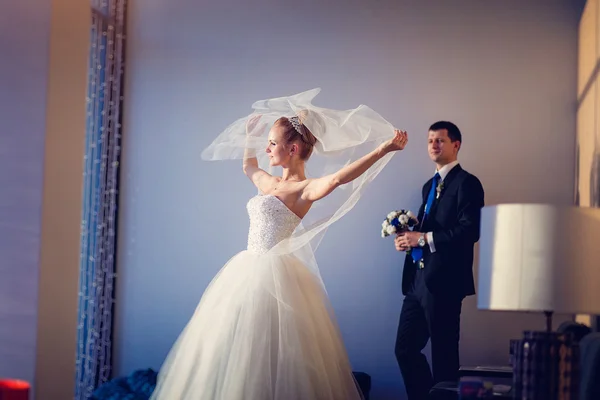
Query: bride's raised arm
{"type": "Point", "coordinates": [261, 178]}
{"type": "Point", "coordinates": [320, 187]}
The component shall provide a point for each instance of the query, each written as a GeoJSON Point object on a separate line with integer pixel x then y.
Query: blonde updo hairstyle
{"type": "Point", "coordinates": [294, 131]}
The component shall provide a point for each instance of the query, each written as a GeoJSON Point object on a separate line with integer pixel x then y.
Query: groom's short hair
{"type": "Point", "coordinates": [453, 131]}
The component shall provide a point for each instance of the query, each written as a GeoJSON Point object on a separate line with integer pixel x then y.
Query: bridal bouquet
{"type": "Point", "coordinates": [398, 221]}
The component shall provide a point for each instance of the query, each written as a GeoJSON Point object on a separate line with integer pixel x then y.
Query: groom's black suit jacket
{"type": "Point", "coordinates": [454, 220]}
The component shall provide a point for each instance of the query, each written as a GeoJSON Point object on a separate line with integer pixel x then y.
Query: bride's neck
{"type": "Point", "coordinates": [293, 174]}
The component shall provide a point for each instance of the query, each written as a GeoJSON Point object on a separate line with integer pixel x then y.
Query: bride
{"type": "Point", "coordinates": [264, 328]}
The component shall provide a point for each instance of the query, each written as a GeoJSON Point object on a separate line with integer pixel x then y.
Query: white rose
{"type": "Point", "coordinates": [392, 215]}
{"type": "Point", "coordinates": [385, 224]}
{"type": "Point", "coordinates": [391, 229]}
{"type": "Point", "coordinates": [403, 219]}
{"type": "Point", "coordinates": [383, 233]}
{"type": "Point", "coordinates": [410, 214]}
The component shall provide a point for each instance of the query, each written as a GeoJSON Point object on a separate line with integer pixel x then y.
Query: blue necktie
{"type": "Point", "coordinates": [417, 252]}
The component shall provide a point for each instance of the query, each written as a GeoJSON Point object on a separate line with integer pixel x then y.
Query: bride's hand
{"type": "Point", "coordinates": [253, 124]}
{"type": "Point", "coordinates": [398, 142]}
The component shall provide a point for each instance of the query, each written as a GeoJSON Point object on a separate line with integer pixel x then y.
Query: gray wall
{"type": "Point", "coordinates": [43, 73]}
{"type": "Point", "coordinates": [504, 71]}
{"type": "Point", "coordinates": [23, 92]}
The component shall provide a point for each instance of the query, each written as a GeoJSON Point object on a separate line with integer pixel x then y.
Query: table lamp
{"type": "Point", "coordinates": [541, 258]}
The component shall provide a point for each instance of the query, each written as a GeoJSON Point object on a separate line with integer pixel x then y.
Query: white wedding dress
{"type": "Point", "coordinates": [264, 328]}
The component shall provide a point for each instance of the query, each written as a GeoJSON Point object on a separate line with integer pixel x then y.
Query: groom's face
{"type": "Point", "coordinates": [441, 149]}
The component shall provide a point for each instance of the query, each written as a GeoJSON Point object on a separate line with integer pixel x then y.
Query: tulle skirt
{"type": "Point", "coordinates": [263, 330]}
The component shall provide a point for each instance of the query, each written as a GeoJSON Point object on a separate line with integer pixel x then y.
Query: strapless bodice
{"type": "Point", "coordinates": [271, 221]}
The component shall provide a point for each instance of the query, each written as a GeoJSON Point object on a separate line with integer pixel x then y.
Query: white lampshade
{"type": "Point", "coordinates": [535, 257]}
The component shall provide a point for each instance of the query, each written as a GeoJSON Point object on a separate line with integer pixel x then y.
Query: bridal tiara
{"type": "Point", "coordinates": [297, 125]}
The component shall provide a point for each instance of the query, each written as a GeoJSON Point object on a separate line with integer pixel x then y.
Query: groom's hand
{"type": "Point", "coordinates": [398, 243]}
{"type": "Point", "coordinates": [408, 239]}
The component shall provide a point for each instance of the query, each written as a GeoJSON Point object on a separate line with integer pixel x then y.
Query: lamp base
{"type": "Point", "coordinates": [548, 315]}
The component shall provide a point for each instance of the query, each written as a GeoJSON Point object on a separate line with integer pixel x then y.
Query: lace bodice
{"type": "Point", "coordinates": [270, 222]}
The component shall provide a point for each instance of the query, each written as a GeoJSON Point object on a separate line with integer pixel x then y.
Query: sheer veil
{"type": "Point", "coordinates": [343, 136]}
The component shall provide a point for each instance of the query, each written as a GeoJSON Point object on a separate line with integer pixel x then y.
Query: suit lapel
{"type": "Point", "coordinates": [447, 182]}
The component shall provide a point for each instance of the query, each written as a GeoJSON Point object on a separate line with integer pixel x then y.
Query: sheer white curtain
{"type": "Point", "coordinates": [101, 183]}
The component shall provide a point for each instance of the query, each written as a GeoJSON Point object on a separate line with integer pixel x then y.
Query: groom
{"type": "Point", "coordinates": [438, 272]}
